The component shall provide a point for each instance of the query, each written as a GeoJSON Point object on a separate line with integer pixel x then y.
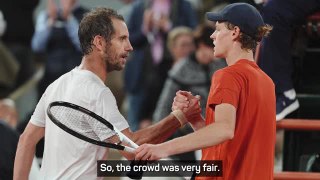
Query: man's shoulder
{"type": "Point", "coordinates": [226, 71]}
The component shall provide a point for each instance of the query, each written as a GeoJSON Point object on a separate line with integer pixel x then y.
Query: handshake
{"type": "Point", "coordinates": [186, 107]}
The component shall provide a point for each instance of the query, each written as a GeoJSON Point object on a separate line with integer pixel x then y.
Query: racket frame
{"type": "Point", "coordinates": [122, 137]}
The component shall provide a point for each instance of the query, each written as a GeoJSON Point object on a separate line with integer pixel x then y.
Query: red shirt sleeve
{"type": "Point", "coordinates": [224, 89]}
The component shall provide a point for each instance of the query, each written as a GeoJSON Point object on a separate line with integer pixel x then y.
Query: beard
{"type": "Point", "coordinates": [112, 60]}
{"type": "Point", "coordinates": [113, 66]}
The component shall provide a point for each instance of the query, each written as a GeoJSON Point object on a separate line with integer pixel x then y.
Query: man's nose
{"type": "Point", "coordinates": [129, 47]}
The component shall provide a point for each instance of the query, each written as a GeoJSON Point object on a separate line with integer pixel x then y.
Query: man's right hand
{"type": "Point", "coordinates": [188, 104]}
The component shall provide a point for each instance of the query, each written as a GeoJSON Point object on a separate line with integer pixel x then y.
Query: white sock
{"type": "Point", "coordinates": [291, 94]}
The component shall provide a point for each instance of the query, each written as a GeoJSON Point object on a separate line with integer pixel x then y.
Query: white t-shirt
{"type": "Point", "coordinates": [65, 156]}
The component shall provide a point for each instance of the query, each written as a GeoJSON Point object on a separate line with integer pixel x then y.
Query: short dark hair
{"type": "Point", "coordinates": [96, 22]}
{"type": "Point", "coordinates": [249, 42]}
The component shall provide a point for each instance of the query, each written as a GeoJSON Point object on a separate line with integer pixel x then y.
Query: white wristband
{"type": "Point", "coordinates": [180, 116]}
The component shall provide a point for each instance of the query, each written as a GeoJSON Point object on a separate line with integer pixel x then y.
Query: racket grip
{"type": "Point", "coordinates": [131, 143]}
{"type": "Point", "coordinates": [129, 149]}
{"type": "Point", "coordinates": [125, 139]}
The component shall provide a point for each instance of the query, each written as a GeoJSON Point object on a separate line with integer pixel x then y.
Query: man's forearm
{"type": "Point", "coordinates": [158, 132]}
{"type": "Point", "coordinates": [210, 135]}
{"type": "Point", "coordinates": [197, 123]}
{"type": "Point", "coordinates": [23, 160]}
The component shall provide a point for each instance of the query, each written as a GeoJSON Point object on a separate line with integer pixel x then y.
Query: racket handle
{"type": "Point", "coordinates": [129, 149]}
{"type": "Point", "coordinates": [125, 139]}
{"type": "Point", "coordinates": [131, 143]}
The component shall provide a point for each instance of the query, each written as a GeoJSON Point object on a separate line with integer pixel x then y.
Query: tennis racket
{"type": "Point", "coordinates": [88, 126]}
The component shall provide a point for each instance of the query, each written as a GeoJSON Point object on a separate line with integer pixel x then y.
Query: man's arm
{"type": "Point", "coordinates": [156, 133]}
{"type": "Point", "coordinates": [197, 123]}
{"type": "Point", "coordinates": [153, 134]}
{"type": "Point", "coordinates": [181, 101]}
{"type": "Point", "coordinates": [213, 134]}
{"type": "Point", "coordinates": [162, 130]}
{"type": "Point", "coordinates": [25, 151]}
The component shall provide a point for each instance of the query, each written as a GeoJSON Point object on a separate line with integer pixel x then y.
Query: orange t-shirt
{"type": "Point", "coordinates": [250, 154]}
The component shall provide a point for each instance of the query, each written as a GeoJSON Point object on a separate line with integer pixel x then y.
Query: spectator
{"type": "Point", "coordinates": [9, 66]}
{"type": "Point", "coordinates": [149, 24]}
{"type": "Point", "coordinates": [275, 52]}
{"type": "Point", "coordinates": [8, 145]}
{"type": "Point", "coordinates": [8, 112]}
{"type": "Point", "coordinates": [8, 138]}
{"type": "Point", "coordinates": [180, 45]}
{"type": "Point", "coordinates": [17, 37]}
{"type": "Point", "coordinates": [193, 74]}
{"type": "Point", "coordinates": [56, 36]}
{"type": "Point", "coordinates": [9, 69]}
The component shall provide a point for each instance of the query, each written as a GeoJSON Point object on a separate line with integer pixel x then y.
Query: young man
{"type": "Point", "coordinates": [239, 127]}
{"type": "Point", "coordinates": [104, 40]}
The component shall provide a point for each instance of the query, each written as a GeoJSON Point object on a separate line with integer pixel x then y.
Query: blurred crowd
{"type": "Point", "coordinates": [172, 51]}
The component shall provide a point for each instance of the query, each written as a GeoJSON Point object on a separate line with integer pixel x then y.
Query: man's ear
{"type": "Point", "coordinates": [98, 42]}
{"type": "Point", "coordinates": [236, 33]}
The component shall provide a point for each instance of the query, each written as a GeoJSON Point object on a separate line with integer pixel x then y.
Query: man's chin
{"type": "Point", "coordinates": [118, 69]}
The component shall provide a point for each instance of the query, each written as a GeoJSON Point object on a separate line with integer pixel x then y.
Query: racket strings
{"type": "Point", "coordinates": [84, 124]}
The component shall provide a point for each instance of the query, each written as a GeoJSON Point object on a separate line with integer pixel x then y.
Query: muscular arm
{"type": "Point", "coordinates": [158, 132]}
{"type": "Point", "coordinates": [213, 134]}
{"type": "Point", "coordinates": [25, 151]}
{"type": "Point", "coordinates": [154, 134]}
